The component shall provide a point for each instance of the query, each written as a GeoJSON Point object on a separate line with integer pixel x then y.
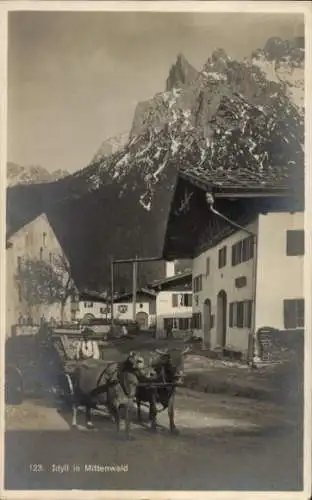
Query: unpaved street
{"type": "Point", "coordinates": [225, 443]}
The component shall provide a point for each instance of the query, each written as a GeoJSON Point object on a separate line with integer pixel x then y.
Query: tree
{"type": "Point", "coordinates": [43, 282]}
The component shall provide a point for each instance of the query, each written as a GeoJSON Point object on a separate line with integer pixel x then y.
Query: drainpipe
{"type": "Point", "coordinates": [134, 287]}
{"type": "Point", "coordinates": [112, 293]}
{"type": "Point", "coordinates": [252, 348]}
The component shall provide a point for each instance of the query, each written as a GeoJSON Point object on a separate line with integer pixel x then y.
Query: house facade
{"type": "Point", "coordinates": [225, 289]}
{"type": "Point", "coordinates": [145, 308]}
{"type": "Point", "coordinates": [92, 309]}
{"type": "Point", "coordinates": [174, 302]}
{"type": "Point", "coordinates": [248, 256]}
{"type": "Point", "coordinates": [34, 243]}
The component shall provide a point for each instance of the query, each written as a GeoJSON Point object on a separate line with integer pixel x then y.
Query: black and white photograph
{"type": "Point", "coordinates": [154, 311]}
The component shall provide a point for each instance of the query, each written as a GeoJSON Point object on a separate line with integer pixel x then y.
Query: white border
{"type": "Point", "coordinates": [172, 6]}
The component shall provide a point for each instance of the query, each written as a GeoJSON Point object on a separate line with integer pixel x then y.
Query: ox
{"type": "Point", "coordinates": [169, 371]}
{"type": "Point", "coordinates": [110, 383]}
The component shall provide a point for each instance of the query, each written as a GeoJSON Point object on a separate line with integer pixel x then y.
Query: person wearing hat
{"type": "Point", "coordinates": [87, 348]}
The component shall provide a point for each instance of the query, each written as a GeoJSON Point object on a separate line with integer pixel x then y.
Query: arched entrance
{"type": "Point", "coordinates": [207, 322]}
{"type": "Point", "coordinates": [87, 318]}
{"type": "Point", "coordinates": [142, 319]}
{"type": "Point", "coordinates": [221, 318]}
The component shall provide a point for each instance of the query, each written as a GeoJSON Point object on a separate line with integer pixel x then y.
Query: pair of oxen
{"type": "Point", "coordinates": [118, 385]}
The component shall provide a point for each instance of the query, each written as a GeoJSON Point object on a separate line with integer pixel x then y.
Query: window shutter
{"type": "Point", "coordinates": [174, 300]}
{"type": "Point", "coordinates": [295, 242]}
{"type": "Point", "coordinates": [231, 315]}
{"type": "Point", "coordinates": [300, 313]}
{"type": "Point", "coordinates": [224, 256]}
{"type": "Point", "coordinates": [188, 300]}
{"type": "Point", "coordinates": [233, 254]}
{"type": "Point", "coordinates": [251, 247]}
{"type": "Point", "coordinates": [247, 313]}
{"type": "Point", "coordinates": [289, 314]}
{"type": "Point", "coordinates": [240, 314]}
{"type": "Point", "coordinates": [244, 249]}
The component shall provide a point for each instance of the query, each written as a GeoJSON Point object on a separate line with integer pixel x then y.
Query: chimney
{"type": "Point", "coordinates": [170, 269]}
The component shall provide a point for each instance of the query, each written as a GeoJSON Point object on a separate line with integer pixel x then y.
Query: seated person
{"type": "Point", "coordinates": [87, 348]}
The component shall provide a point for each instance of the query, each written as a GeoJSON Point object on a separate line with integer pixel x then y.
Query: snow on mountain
{"type": "Point", "coordinates": [232, 121]}
{"type": "Point", "coordinates": [110, 146]}
{"type": "Point", "coordinates": [231, 124]}
{"type": "Point", "coordinates": [282, 61]}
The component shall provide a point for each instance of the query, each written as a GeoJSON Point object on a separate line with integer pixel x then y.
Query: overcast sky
{"type": "Point", "coordinates": [75, 78]}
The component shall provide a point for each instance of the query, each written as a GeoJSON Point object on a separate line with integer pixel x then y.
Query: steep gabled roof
{"type": "Point", "coordinates": [185, 278]}
{"type": "Point", "coordinates": [141, 291]}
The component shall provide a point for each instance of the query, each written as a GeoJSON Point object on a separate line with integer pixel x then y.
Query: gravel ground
{"type": "Point", "coordinates": [226, 443]}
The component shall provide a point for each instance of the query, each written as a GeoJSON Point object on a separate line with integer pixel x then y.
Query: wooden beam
{"type": "Point", "coordinates": [137, 259]}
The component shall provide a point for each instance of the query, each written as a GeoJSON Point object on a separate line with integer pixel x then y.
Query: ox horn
{"type": "Point", "coordinates": [187, 349]}
{"type": "Point", "coordinates": [159, 351]}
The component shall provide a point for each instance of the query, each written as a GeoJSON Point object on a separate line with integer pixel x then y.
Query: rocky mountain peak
{"type": "Point", "coordinates": [110, 146]}
{"type": "Point", "coordinates": [235, 121]}
{"type": "Point", "coordinates": [181, 73]}
{"type": "Point", "coordinates": [33, 174]}
{"type": "Point", "coordinates": [282, 62]}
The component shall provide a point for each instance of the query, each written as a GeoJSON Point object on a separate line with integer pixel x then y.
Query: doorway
{"type": "Point", "coordinates": [221, 318]}
{"type": "Point", "coordinates": [142, 320]}
{"type": "Point", "coordinates": [207, 323]}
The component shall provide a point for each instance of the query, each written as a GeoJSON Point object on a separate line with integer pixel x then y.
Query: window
{"type": "Point", "coordinates": [44, 236]}
{"type": "Point", "coordinates": [197, 283]}
{"type": "Point", "coordinates": [185, 323]}
{"type": "Point", "coordinates": [41, 253]}
{"type": "Point", "coordinates": [222, 257]}
{"type": "Point", "coordinates": [88, 304]}
{"type": "Point", "coordinates": [242, 251]}
{"type": "Point", "coordinates": [168, 323]}
{"type": "Point", "coordinates": [181, 300]}
{"type": "Point", "coordinates": [293, 313]}
{"type": "Point", "coordinates": [207, 266]}
{"type": "Point", "coordinates": [50, 257]}
{"type": "Point", "coordinates": [295, 242]}
{"type": "Point", "coordinates": [197, 321]}
{"type": "Point", "coordinates": [19, 292]}
{"type": "Point", "coordinates": [187, 300]}
{"type": "Point", "coordinates": [19, 263]}
{"type": "Point", "coordinates": [240, 282]}
{"type": "Point", "coordinates": [240, 314]}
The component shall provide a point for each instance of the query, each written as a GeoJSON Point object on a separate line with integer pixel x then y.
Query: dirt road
{"type": "Point", "coordinates": [226, 443]}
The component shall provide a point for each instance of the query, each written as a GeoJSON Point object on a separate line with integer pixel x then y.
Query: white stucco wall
{"type": "Point", "coordinates": [26, 243]}
{"type": "Point", "coordinates": [95, 309]}
{"type": "Point", "coordinates": [128, 315]}
{"type": "Point", "coordinates": [164, 308]}
{"type": "Point", "coordinates": [224, 279]}
{"type": "Point", "coordinates": [279, 276]}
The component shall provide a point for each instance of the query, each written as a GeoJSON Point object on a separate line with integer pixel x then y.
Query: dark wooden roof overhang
{"type": "Point", "coordinates": [240, 203]}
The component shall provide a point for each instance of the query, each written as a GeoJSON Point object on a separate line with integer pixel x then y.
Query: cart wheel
{"type": "Point", "coordinates": [14, 390]}
{"type": "Point", "coordinates": [66, 389]}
